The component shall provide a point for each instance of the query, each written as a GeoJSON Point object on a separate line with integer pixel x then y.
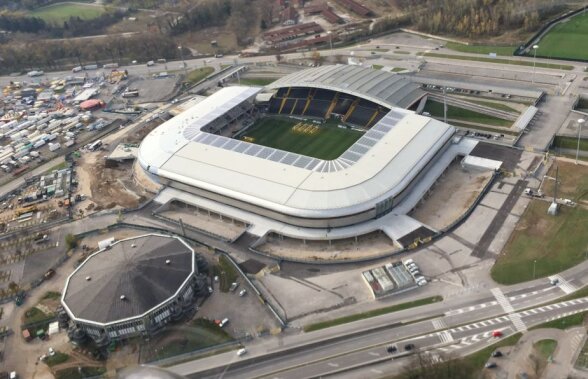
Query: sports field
{"type": "Point", "coordinates": [326, 141]}
{"type": "Point", "coordinates": [60, 12]}
{"type": "Point", "coordinates": [566, 40]}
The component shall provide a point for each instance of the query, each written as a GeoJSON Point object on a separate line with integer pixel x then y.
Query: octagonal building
{"type": "Point", "coordinates": [133, 287]}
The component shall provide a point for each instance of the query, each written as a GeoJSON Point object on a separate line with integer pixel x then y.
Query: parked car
{"type": "Point", "coordinates": [224, 322]}
{"type": "Point", "coordinates": [241, 352]}
{"type": "Point", "coordinates": [490, 365]}
{"type": "Point", "coordinates": [409, 347]}
{"type": "Point", "coordinates": [243, 292]}
{"type": "Point", "coordinates": [209, 289]}
{"type": "Point", "coordinates": [497, 354]}
{"type": "Point", "coordinates": [391, 349]}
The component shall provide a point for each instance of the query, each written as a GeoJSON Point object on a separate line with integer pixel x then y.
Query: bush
{"type": "Point", "coordinates": [71, 241]}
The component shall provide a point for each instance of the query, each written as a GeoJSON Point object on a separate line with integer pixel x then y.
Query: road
{"type": "Point", "coordinates": [452, 327]}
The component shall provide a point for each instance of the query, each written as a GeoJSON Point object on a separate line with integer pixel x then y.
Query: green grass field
{"type": "Point", "coordinates": [481, 49]}
{"type": "Point", "coordinates": [198, 74]}
{"type": "Point", "coordinates": [328, 143]}
{"type": "Point", "coordinates": [60, 12]}
{"type": "Point", "coordinates": [564, 322]}
{"type": "Point", "coordinates": [551, 244]}
{"type": "Point", "coordinates": [257, 81]}
{"type": "Point", "coordinates": [436, 110]}
{"type": "Point", "coordinates": [566, 40]}
{"type": "Point", "coordinates": [498, 60]}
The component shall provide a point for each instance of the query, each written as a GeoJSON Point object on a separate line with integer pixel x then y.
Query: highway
{"type": "Point", "coordinates": [456, 328]}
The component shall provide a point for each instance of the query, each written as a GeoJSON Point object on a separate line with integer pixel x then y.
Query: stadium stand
{"type": "Point", "coordinates": [322, 103]}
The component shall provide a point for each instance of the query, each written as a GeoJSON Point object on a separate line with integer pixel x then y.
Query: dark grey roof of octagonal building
{"type": "Point", "coordinates": [135, 268]}
{"type": "Point", "coordinates": [385, 88]}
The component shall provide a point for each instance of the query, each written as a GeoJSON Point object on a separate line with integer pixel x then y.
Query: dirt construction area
{"type": "Point", "coordinates": [108, 185]}
{"type": "Point", "coordinates": [451, 196]}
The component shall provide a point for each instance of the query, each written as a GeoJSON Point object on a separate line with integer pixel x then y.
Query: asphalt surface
{"type": "Point", "coordinates": [456, 328]}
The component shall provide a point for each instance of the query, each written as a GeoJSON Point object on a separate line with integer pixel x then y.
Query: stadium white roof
{"type": "Point", "coordinates": [385, 88]}
{"type": "Point", "coordinates": [379, 165]}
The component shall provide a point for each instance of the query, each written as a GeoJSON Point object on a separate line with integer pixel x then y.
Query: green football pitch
{"type": "Point", "coordinates": [60, 12]}
{"type": "Point", "coordinates": [568, 39]}
{"type": "Point", "coordinates": [326, 141]}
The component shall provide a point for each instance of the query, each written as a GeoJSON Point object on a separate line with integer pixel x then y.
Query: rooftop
{"type": "Point", "coordinates": [128, 279]}
{"type": "Point", "coordinates": [382, 87]}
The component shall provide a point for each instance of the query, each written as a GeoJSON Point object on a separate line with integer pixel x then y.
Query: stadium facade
{"type": "Point", "coordinates": [133, 287]}
{"type": "Point", "coordinates": [192, 152]}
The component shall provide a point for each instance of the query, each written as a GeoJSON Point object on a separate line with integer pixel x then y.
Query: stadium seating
{"type": "Point", "coordinates": [321, 103]}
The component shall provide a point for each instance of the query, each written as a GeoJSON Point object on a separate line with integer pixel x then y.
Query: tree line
{"type": "Point", "coordinates": [61, 54]}
{"type": "Point", "coordinates": [476, 18]}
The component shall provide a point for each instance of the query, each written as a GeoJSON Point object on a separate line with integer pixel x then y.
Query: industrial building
{"type": "Point", "coordinates": [133, 287]}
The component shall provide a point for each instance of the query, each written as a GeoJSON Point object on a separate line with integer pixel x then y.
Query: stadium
{"type": "Point", "coordinates": [324, 148]}
{"type": "Point", "coordinates": [132, 287]}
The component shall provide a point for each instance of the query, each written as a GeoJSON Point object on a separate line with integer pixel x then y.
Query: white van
{"type": "Point", "coordinates": [241, 352]}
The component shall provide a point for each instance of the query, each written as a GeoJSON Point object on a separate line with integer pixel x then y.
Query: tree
{"type": "Point", "coordinates": [71, 241]}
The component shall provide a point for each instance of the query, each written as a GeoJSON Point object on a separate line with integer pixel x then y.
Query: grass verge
{"type": "Point", "coordinates": [80, 373]}
{"type": "Point", "coordinates": [372, 313]}
{"type": "Point", "coordinates": [56, 359]}
{"type": "Point", "coordinates": [498, 106]}
{"type": "Point", "coordinates": [198, 74]}
{"type": "Point", "coordinates": [257, 81]}
{"type": "Point", "coordinates": [377, 66]}
{"type": "Point", "coordinates": [226, 272]}
{"type": "Point", "coordinates": [51, 295]}
{"type": "Point", "coordinates": [545, 348]}
{"type": "Point", "coordinates": [436, 110]}
{"type": "Point", "coordinates": [570, 143]}
{"type": "Point", "coordinates": [481, 49]}
{"type": "Point", "coordinates": [564, 322]}
{"type": "Point", "coordinates": [198, 334]}
{"type": "Point", "coordinates": [478, 359]}
{"type": "Point", "coordinates": [501, 61]}
{"type": "Point", "coordinates": [542, 245]}
{"type": "Point", "coordinates": [485, 129]}
{"type": "Point", "coordinates": [34, 315]}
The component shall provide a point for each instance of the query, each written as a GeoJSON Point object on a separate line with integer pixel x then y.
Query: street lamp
{"type": "Point", "coordinates": [182, 57]}
{"type": "Point", "coordinates": [330, 33]}
{"type": "Point", "coordinates": [534, 263]}
{"type": "Point", "coordinates": [535, 47]}
{"type": "Point", "coordinates": [580, 122]}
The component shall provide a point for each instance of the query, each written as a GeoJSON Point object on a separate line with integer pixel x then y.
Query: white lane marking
{"type": "Point", "coordinates": [332, 364]}
{"type": "Point", "coordinates": [374, 353]}
{"type": "Point", "coordinates": [375, 371]}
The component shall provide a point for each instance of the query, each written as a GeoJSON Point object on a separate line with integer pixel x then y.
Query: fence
{"type": "Point", "coordinates": [521, 50]}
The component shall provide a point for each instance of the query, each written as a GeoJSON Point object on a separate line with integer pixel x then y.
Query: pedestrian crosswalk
{"type": "Point", "coordinates": [565, 286]}
{"type": "Point", "coordinates": [439, 324]}
{"type": "Point", "coordinates": [517, 322]}
{"type": "Point", "coordinates": [445, 336]}
{"type": "Point", "coordinates": [502, 300]}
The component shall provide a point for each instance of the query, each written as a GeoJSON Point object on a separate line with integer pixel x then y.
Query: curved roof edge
{"type": "Point", "coordinates": [385, 88]}
{"type": "Point", "coordinates": [100, 324]}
